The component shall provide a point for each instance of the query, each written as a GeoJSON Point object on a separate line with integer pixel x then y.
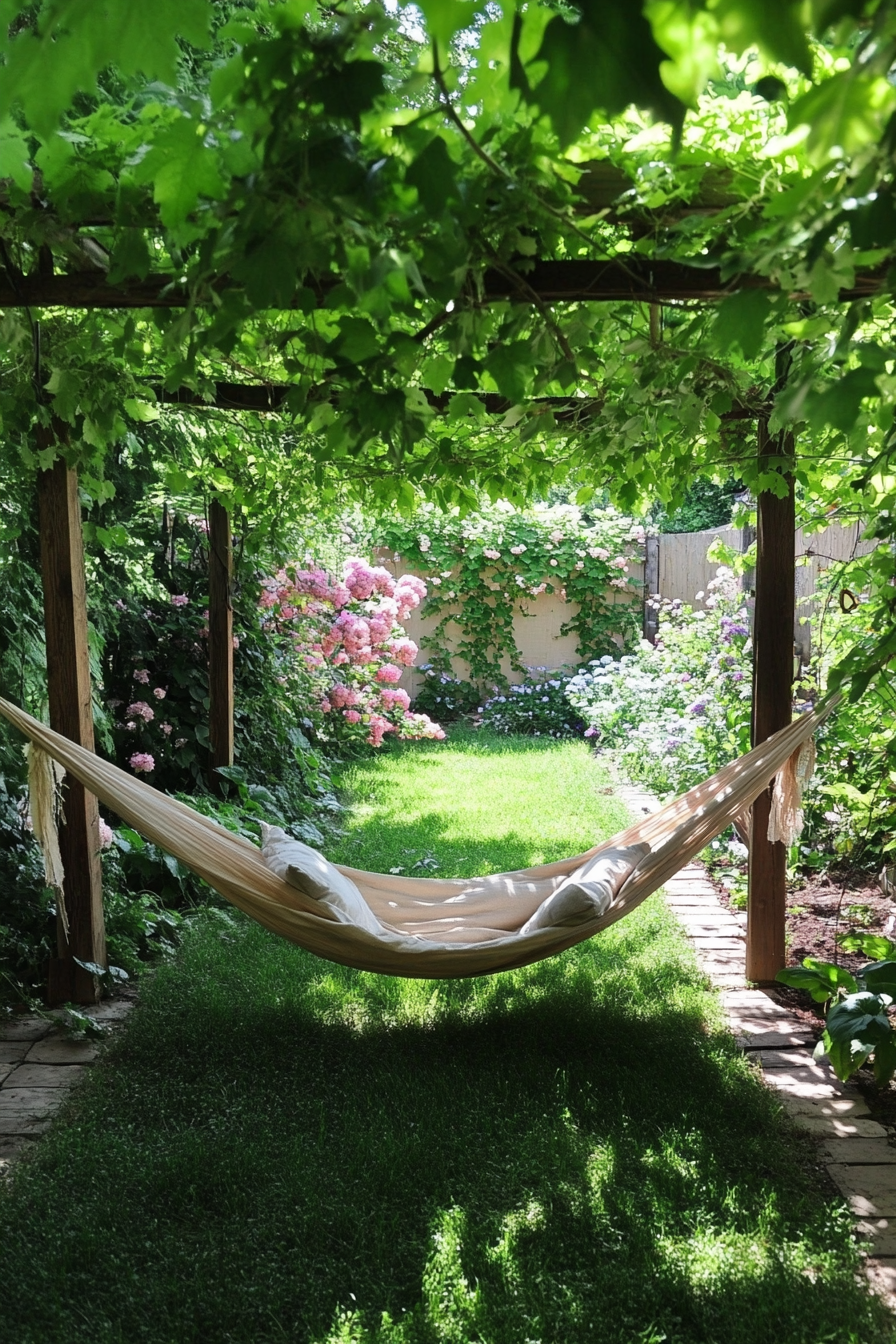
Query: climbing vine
{"type": "Point", "coordinates": [485, 569]}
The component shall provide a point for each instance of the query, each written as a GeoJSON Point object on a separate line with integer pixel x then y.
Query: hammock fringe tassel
{"type": "Point", "coordinates": [45, 778]}
{"type": "Point", "coordinates": [785, 822]}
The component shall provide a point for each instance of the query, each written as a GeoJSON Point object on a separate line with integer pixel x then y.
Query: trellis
{"type": "Point", "coordinates": [545, 282]}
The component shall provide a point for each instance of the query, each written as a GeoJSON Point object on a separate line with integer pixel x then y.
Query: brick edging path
{"type": "Point", "coordinates": [39, 1065]}
{"type": "Point", "coordinates": [854, 1148]}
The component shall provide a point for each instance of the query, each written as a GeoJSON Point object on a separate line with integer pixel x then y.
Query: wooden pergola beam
{"type": "Point", "coordinates": [567, 281]}
{"type": "Point", "coordinates": [270, 397]}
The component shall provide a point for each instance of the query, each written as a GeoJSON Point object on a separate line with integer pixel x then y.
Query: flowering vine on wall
{"type": "Point", "coordinates": [483, 569]}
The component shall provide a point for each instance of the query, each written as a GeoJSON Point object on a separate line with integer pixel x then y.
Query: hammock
{"type": "Point", "coordinates": [435, 928]}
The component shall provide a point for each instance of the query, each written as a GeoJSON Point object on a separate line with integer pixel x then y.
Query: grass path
{"type": "Point", "coordinates": [284, 1150]}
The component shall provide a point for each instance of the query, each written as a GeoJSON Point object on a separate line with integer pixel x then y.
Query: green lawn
{"type": "Point", "coordinates": [284, 1150]}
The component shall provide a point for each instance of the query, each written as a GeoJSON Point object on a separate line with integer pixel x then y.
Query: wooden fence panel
{"type": "Point", "coordinates": [684, 570]}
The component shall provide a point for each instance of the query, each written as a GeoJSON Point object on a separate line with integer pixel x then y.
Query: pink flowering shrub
{"type": "Point", "coordinates": [344, 637]}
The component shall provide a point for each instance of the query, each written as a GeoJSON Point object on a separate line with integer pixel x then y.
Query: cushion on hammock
{"type": "Point", "coordinates": [588, 892]}
{"type": "Point", "coordinates": [302, 867]}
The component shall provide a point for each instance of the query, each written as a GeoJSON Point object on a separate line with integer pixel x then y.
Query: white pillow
{"type": "Point", "coordinates": [588, 892]}
{"type": "Point", "coordinates": [307, 870]}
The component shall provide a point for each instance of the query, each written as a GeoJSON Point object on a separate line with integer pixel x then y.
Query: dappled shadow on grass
{"type": "Point", "coordinates": [288, 1150]}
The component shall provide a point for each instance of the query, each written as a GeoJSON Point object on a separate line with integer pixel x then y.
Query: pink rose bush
{"type": "Point", "coordinates": [345, 636]}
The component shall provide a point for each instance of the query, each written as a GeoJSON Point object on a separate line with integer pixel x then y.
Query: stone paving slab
{"type": "Point", "coordinates": [772, 1040]}
{"type": "Point", "coordinates": [838, 1127]}
{"type": "Point", "coordinates": [701, 920]}
{"type": "Point", "coordinates": [12, 1051]}
{"type": "Point", "coordinates": [30, 1100]}
{"type": "Point", "coordinates": [803, 1070]}
{"type": "Point", "coordinates": [796, 1058]}
{"type": "Point", "coordinates": [743, 1023]}
{"type": "Point", "coordinates": [881, 1274]}
{"type": "Point", "coordinates": [881, 1232]}
{"type": "Point", "coordinates": [39, 1065]}
{"type": "Point", "coordinates": [12, 1147]}
{"type": "Point", "coordinates": [756, 1000]}
{"type": "Point", "coordinates": [21, 1124]}
{"type": "Point", "coordinates": [23, 1029]}
{"type": "Point", "coordinates": [757, 1021]}
{"type": "Point", "coordinates": [62, 1050]}
{"type": "Point", "coordinates": [866, 1152]}
{"type": "Point", "coordinates": [44, 1075]}
{"type": "Point", "coordinates": [110, 1011]}
{"type": "Point", "coordinates": [849, 1107]}
{"type": "Point", "coordinates": [873, 1186]}
{"type": "Point", "coordinates": [725, 960]}
{"type": "Point", "coordinates": [792, 1084]}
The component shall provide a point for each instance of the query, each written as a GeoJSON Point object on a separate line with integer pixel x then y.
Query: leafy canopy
{"type": "Point", "coordinates": [331, 186]}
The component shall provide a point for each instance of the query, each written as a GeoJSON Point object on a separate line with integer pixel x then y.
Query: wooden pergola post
{"type": "Point", "coordinates": [220, 641]}
{"type": "Point", "coordinates": [772, 699]}
{"type": "Point", "coordinates": [71, 713]}
{"type": "Point", "coordinates": [651, 586]}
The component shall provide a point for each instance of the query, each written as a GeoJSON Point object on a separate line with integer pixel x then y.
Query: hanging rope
{"type": "Point", "coordinates": [45, 799]}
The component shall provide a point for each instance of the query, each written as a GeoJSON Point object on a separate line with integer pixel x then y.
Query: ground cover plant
{"type": "Point", "coordinates": [284, 1149]}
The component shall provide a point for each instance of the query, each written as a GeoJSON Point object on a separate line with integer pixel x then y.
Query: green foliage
{"type": "Point", "coordinates": [705, 505]}
{"type": "Point", "coordinates": [27, 915]}
{"type": "Point", "coordinates": [858, 1027]}
{"type": "Point", "coordinates": [849, 807]}
{"type": "Point", "coordinates": [483, 569]}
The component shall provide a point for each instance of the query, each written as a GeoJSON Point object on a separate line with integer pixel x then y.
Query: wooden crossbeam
{"type": "Point", "coordinates": [264, 397]}
{"type": "Point", "coordinates": [228, 396]}
{"type": "Point", "coordinates": [567, 281]}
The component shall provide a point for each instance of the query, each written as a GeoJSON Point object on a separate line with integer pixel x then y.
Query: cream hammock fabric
{"type": "Point", "coordinates": [426, 927]}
